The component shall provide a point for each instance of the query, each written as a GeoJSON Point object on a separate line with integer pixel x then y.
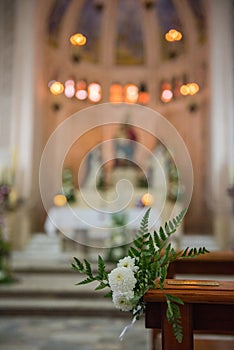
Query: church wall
{"type": "Point", "coordinates": [191, 116]}
{"type": "Point", "coordinates": [188, 116]}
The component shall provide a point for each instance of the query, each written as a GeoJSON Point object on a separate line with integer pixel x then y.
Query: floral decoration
{"type": "Point", "coordinates": [145, 267]}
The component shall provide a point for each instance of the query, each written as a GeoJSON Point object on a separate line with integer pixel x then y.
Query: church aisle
{"type": "Point", "coordinates": [35, 333]}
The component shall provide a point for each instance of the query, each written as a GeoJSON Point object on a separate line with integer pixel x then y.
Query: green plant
{"type": "Point", "coordinates": [144, 268]}
{"type": "Point", "coordinates": [118, 247]}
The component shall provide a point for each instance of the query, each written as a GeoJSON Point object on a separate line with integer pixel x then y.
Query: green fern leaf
{"type": "Point", "coordinates": [88, 270]}
{"type": "Point", "coordinates": [174, 316]}
{"type": "Point", "coordinates": [172, 227]}
{"type": "Point", "coordinates": [151, 245]}
{"type": "Point", "coordinates": [162, 234]}
{"type": "Point", "coordinates": [175, 299]}
{"type": "Point", "coordinates": [163, 275]}
{"type": "Point", "coordinates": [101, 267]}
{"type": "Point", "coordinates": [184, 254]}
{"type": "Point", "coordinates": [86, 281]}
{"type": "Point", "coordinates": [167, 229]}
{"type": "Point", "coordinates": [138, 242]}
{"type": "Point", "coordinates": [79, 266]}
{"type": "Point", "coordinates": [134, 253]}
{"type": "Point", "coordinates": [157, 240]}
{"type": "Point", "coordinates": [108, 295]}
{"type": "Point", "coordinates": [102, 285]}
{"type": "Point", "coordinates": [144, 223]}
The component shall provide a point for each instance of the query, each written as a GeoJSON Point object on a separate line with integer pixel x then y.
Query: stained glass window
{"type": "Point", "coordinates": [129, 41]}
{"type": "Point", "coordinates": [55, 18]}
{"type": "Point", "coordinates": [89, 24]}
{"type": "Point", "coordinates": [199, 14]}
{"type": "Point", "coordinates": [168, 18]}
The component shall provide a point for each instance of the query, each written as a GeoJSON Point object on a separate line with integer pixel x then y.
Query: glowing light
{"type": "Point", "coordinates": [81, 90]}
{"type": "Point", "coordinates": [173, 35]}
{"type": "Point", "coordinates": [168, 37]}
{"type": "Point", "coordinates": [193, 88]}
{"type": "Point", "coordinates": [56, 88]}
{"type": "Point", "coordinates": [147, 199]}
{"type": "Point", "coordinates": [189, 89]}
{"type": "Point", "coordinates": [78, 39]}
{"type": "Point", "coordinates": [69, 82]}
{"type": "Point", "coordinates": [60, 200]}
{"type": "Point", "coordinates": [131, 93]}
{"type": "Point", "coordinates": [116, 93]}
{"type": "Point", "coordinates": [166, 95]}
{"type": "Point", "coordinates": [94, 92]}
{"type": "Point", "coordinates": [184, 90]}
{"type": "Point", "coordinates": [69, 88]}
{"type": "Point", "coordinates": [144, 96]}
{"type": "Point", "coordinates": [81, 95]}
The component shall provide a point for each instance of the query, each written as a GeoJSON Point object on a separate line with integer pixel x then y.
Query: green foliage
{"type": "Point", "coordinates": [152, 253]}
{"type": "Point", "coordinates": [118, 247]}
{"type": "Point", "coordinates": [85, 268]}
{"type": "Point", "coordinates": [174, 316]}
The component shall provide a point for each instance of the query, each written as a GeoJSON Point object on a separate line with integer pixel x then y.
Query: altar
{"type": "Point", "coordinates": [93, 227]}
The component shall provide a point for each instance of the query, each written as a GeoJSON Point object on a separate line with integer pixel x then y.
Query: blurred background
{"type": "Point", "coordinates": [60, 57]}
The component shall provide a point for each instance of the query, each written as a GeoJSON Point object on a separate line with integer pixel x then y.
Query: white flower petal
{"type": "Point", "coordinates": [122, 301]}
{"type": "Point", "coordinates": [129, 263]}
{"type": "Point", "coordinates": [122, 280]}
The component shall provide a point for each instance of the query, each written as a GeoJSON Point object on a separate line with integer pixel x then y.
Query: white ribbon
{"type": "Point", "coordinates": [130, 325]}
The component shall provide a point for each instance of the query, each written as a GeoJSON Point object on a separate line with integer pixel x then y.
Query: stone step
{"type": "Point", "coordinates": [54, 294]}
{"type": "Point", "coordinates": [59, 307]}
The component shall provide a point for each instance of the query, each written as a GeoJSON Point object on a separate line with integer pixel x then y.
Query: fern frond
{"type": "Point", "coordinates": [163, 275]}
{"type": "Point", "coordinates": [162, 234]}
{"type": "Point", "coordinates": [151, 245]}
{"type": "Point", "coordinates": [139, 242]}
{"type": "Point", "coordinates": [85, 281]}
{"type": "Point", "coordinates": [108, 295]}
{"type": "Point", "coordinates": [144, 223]}
{"type": "Point", "coordinates": [174, 316]}
{"type": "Point", "coordinates": [102, 285]}
{"type": "Point", "coordinates": [78, 266]}
{"type": "Point", "coordinates": [134, 253]}
{"type": "Point", "coordinates": [101, 268]}
{"type": "Point", "coordinates": [157, 240]}
{"type": "Point", "coordinates": [193, 252]}
{"type": "Point", "coordinates": [88, 270]}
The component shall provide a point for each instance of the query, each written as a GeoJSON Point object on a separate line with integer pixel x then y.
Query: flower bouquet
{"type": "Point", "coordinates": [145, 267]}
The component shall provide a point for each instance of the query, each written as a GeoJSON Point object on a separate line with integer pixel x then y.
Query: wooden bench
{"type": "Point", "coordinates": [214, 263]}
{"type": "Point", "coordinates": [207, 309]}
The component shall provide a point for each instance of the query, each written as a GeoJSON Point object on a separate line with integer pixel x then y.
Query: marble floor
{"type": "Point", "coordinates": [39, 333]}
{"type": "Point", "coordinates": [56, 333]}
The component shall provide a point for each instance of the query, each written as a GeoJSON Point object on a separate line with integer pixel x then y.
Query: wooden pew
{"type": "Point", "coordinates": [214, 263]}
{"type": "Point", "coordinates": [206, 309]}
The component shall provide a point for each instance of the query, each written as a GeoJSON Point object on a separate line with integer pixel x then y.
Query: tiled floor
{"type": "Point", "coordinates": [70, 334]}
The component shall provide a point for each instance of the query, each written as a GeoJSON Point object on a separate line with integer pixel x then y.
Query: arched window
{"type": "Point", "coordinates": [129, 38]}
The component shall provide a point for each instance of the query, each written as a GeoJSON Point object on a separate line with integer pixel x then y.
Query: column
{"type": "Point", "coordinates": [23, 95]}
{"type": "Point", "coordinates": [222, 108]}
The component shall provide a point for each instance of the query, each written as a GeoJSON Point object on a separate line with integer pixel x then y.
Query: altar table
{"type": "Point", "coordinates": [206, 309]}
{"type": "Point", "coordinates": [72, 220]}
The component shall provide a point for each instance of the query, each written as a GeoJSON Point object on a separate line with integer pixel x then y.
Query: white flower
{"type": "Point", "coordinates": [129, 263]}
{"type": "Point", "coordinates": [122, 301]}
{"type": "Point", "coordinates": [121, 280]}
